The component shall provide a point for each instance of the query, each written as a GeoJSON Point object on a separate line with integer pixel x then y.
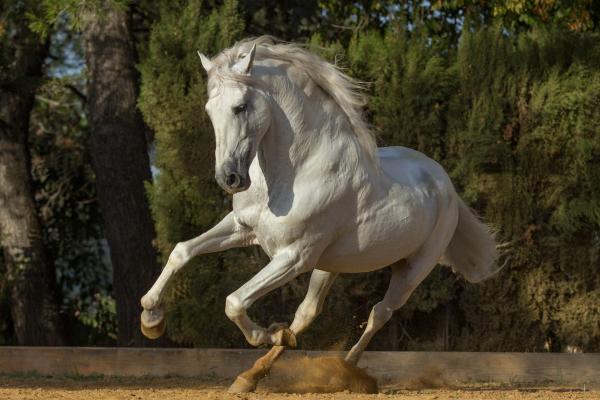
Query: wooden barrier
{"type": "Point", "coordinates": [390, 368]}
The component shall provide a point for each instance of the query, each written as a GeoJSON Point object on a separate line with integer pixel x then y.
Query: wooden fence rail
{"type": "Point", "coordinates": [390, 368]}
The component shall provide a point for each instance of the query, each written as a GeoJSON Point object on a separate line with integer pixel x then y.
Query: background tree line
{"type": "Point", "coordinates": [106, 161]}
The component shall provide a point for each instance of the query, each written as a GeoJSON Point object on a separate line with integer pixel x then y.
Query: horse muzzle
{"type": "Point", "coordinates": [232, 180]}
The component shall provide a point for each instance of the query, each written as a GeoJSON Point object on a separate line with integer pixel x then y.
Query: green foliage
{"type": "Point", "coordinates": [410, 75]}
{"type": "Point", "coordinates": [51, 14]}
{"type": "Point", "coordinates": [525, 118]}
{"type": "Point", "coordinates": [98, 316]}
{"type": "Point", "coordinates": [576, 15]}
{"type": "Point", "coordinates": [287, 19]}
{"type": "Point", "coordinates": [520, 15]}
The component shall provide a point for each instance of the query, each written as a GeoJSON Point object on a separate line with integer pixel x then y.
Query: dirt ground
{"type": "Point", "coordinates": [103, 388]}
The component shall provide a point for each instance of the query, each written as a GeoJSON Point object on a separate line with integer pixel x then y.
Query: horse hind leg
{"type": "Point", "coordinates": [406, 276]}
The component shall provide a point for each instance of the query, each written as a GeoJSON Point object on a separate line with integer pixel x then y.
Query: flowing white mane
{"type": "Point", "coordinates": [347, 92]}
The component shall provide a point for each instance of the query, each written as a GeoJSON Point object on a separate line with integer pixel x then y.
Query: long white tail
{"type": "Point", "coordinates": [472, 250]}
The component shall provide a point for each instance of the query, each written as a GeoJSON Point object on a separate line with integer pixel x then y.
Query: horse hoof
{"type": "Point", "coordinates": [152, 323]}
{"type": "Point", "coordinates": [242, 385]}
{"type": "Point", "coordinates": [154, 332]}
{"type": "Point", "coordinates": [284, 337]}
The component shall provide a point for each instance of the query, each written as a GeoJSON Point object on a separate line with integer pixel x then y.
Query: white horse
{"type": "Point", "coordinates": [312, 189]}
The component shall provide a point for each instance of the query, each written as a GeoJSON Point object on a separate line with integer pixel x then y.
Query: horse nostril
{"type": "Point", "coordinates": [232, 180]}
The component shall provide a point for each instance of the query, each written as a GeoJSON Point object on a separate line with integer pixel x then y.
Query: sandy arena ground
{"type": "Point", "coordinates": [102, 388]}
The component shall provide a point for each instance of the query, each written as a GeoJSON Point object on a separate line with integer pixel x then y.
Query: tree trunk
{"type": "Point", "coordinates": [121, 163]}
{"type": "Point", "coordinates": [31, 276]}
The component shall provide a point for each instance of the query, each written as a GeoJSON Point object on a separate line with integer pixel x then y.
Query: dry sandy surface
{"type": "Point", "coordinates": [103, 388]}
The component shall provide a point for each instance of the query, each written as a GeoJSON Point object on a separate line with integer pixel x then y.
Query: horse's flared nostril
{"type": "Point", "coordinates": [233, 180]}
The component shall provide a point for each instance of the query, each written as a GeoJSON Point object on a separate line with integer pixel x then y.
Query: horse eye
{"type": "Point", "coordinates": [239, 109]}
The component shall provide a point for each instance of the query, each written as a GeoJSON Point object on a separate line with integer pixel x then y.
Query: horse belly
{"type": "Point", "coordinates": [376, 245]}
{"type": "Point", "coordinates": [360, 261]}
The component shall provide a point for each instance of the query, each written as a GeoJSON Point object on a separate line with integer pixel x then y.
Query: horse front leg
{"type": "Point", "coordinates": [309, 309]}
{"type": "Point", "coordinates": [285, 266]}
{"type": "Point", "coordinates": [225, 235]}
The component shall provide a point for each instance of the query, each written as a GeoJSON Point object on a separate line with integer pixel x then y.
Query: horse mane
{"type": "Point", "coordinates": [346, 91]}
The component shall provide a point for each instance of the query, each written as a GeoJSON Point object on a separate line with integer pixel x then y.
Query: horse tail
{"type": "Point", "coordinates": [472, 250]}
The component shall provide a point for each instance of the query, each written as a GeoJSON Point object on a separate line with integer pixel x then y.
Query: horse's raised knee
{"type": "Point", "coordinates": [179, 256]}
{"type": "Point", "coordinates": [233, 307]}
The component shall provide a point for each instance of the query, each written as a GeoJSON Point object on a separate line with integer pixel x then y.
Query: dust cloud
{"type": "Point", "coordinates": [318, 375]}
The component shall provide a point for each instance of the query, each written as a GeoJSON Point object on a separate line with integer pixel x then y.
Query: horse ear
{"type": "Point", "coordinates": [244, 65]}
{"type": "Point", "coordinates": [206, 63]}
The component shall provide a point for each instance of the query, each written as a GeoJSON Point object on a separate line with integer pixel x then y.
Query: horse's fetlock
{"type": "Point", "coordinates": [149, 301]}
{"type": "Point", "coordinates": [257, 338]}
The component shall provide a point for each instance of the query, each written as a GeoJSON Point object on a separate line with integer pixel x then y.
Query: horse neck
{"type": "Point", "coordinates": [308, 131]}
